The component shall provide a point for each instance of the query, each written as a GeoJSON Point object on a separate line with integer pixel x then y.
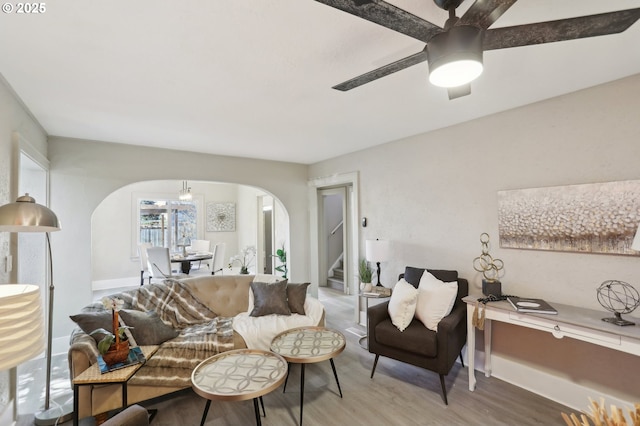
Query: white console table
{"type": "Point", "coordinates": [571, 321]}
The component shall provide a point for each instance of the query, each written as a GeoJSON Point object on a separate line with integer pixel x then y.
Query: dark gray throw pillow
{"type": "Point", "coordinates": [269, 299]}
{"type": "Point", "coordinates": [412, 275]}
{"type": "Point", "coordinates": [90, 321]}
{"type": "Point", "coordinates": [296, 296]}
{"type": "Point", "coordinates": [147, 327]}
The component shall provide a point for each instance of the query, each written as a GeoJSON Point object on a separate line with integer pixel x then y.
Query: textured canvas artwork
{"type": "Point", "coordinates": [590, 218]}
{"type": "Point", "coordinates": [221, 217]}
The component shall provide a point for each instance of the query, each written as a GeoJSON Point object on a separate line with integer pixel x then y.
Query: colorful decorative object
{"type": "Point", "coordinates": [589, 218]}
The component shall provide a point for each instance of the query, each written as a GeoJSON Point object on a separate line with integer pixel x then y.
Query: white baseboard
{"type": "Point", "coordinates": [115, 283]}
{"type": "Point", "coordinates": [555, 388]}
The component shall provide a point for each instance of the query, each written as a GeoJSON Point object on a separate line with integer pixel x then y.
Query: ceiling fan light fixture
{"type": "Point", "coordinates": [455, 56]}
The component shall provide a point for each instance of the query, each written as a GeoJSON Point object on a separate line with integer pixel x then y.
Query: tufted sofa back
{"type": "Point", "coordinates": [226, 295]}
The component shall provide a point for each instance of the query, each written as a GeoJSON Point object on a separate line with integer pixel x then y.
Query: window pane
{"type": "Point", "coordinates": [168, 223]}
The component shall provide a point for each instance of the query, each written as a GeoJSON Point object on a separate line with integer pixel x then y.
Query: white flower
{"type": "Point", "coordinates": [112, 303]}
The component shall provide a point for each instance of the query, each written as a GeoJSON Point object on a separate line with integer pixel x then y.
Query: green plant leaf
{"type": "Point", "coordinates": [104, 344]}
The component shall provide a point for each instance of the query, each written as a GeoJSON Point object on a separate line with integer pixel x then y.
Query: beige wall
{"type": "Point", "coordinates": [83, 173]}
{"type": "Point", "coordinates": [433, 195]}
{"type": "Point", "coordinates": [16, 127]}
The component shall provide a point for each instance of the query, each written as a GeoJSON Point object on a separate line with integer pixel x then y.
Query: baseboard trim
{"type": "Point", "coordinates": [115, 283]}
{"type": "Point", "coordinates": [555, 388]}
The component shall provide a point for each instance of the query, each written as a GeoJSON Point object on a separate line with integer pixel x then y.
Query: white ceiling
{"type": "Point", "coordinates": [253, 78]}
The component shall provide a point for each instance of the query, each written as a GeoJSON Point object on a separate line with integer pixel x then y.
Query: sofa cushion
{"type": "Point", "coordinates": [435, 300]}
{"type": "Point", "coordinates": [90, 321]}
{"type": "Point", "coordinates": [147, 327]}
{"type": "Point", "coordinates": [296, 296]}
{"type": "Point", "coordinates": [269, 299]}
{"type": "Point", "coordinates": [268, 279]}
{"type": "Point", "coordinates": [412, 275]}
{"type": "Point", "coordinates": [415, 338]}
{"type": "Point", "coordinates": [402, 305]}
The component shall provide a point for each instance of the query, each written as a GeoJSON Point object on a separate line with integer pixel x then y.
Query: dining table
{"type": "Point", "coordinates": [185, 261]}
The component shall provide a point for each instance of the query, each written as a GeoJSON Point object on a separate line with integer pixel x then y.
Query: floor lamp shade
{"type": "Point", "coordinates": [25, 215]}
{"type": "Point", "coordinates": [21, 324]}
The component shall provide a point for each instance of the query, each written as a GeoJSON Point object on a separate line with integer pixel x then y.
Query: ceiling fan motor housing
{"type": "Point", "coordinates": [462, 44]}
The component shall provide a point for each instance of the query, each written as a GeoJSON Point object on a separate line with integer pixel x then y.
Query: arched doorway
{"type": "Point", "coordinates": [116, 226]}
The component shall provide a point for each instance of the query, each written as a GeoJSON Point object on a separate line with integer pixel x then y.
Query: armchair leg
{"type": "Point", "coordinates": [461, 360]}
{"type": "Point", "coordinates": [375, 362]}
{"type": "Point", "coordinates": [444, 389]}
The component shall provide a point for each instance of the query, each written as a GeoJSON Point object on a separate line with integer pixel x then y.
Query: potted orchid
{"type": "Point", "coordinates": [114, 346]}
{"type": "Point", "coordinates": [245, 258]}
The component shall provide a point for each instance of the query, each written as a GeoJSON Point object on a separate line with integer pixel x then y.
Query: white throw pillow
{"type": "Point", "coordinates": [435, 300]}
{"type": "Point", "coordinates": [402, 305]}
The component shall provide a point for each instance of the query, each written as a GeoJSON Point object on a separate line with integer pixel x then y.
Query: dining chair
{"type": "Point", "coordinates": [159, 264]}
{"type": "Point", "coordinates": [142, 255]}
{"type": "Point", "coordinates": [217, 261]}
{"type": "Point", "coordinates": [201, 247]}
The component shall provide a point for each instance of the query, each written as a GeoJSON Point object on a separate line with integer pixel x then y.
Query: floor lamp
{"type": "Point", "coordinates": [25, 215]}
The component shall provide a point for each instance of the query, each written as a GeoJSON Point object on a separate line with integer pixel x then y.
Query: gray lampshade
{"type": "Point", "coordinates": [25, 215]}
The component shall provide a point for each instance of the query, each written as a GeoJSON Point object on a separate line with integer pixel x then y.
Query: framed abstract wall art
{"type": "Point", "coordinates": [589, 218]}
{"type": "Point", "coordinates": [221, 217]}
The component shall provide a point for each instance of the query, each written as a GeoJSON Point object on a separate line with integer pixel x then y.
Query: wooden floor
{"type": "Point", "coordinates": [399, 394]}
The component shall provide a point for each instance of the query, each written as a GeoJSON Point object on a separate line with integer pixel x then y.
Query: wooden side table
{"type": "Point", "coordinates": [306, 345]}
{"type": "Point", "coordinates": [238, 375]}
{"type": "Point", "coordinates": [92, 376]}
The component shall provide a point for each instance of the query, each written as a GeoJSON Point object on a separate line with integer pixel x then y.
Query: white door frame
{"type": "Point", "coordinates": [316, 185]}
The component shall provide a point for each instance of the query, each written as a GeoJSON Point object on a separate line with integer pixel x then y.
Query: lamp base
{"type": "Point", "coordinates": [54, 415]}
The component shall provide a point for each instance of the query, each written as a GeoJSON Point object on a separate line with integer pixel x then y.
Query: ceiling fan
{"type": "Point", "coordinates": [454, 53]}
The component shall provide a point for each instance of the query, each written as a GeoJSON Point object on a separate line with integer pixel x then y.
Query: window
{"type": "Point", "coordinates": [167, 223]}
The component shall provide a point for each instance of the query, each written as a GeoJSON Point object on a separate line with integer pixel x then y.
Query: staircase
{"type": "Point", "coordinates": [337, 280]}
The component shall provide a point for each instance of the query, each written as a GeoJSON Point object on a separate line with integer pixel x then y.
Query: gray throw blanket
{"type": "Point", "coordinates": [199, 336]}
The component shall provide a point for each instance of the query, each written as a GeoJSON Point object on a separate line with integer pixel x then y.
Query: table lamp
{"type": "Point", "coordinates": [25, 215]}
{"type": "Point", "coordinates": [377, 251]}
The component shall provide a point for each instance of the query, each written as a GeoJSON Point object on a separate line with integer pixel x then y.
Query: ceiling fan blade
{"type": "Point", "coordinates": [560, 30]}
{"type": "Point", "coordinates": [389, 16]}
{"type": "Point", "coordinates": [483, 13]}
{"type": "Point", "coordinates": [382, 71]}
{"type": "Point", "coordinates": [457, 92]}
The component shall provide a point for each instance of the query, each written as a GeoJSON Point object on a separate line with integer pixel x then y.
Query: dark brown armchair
{"type": "Point", "coordinates": [417, 345]}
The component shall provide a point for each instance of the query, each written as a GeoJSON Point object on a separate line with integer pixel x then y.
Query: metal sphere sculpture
{"type": "Point", "coordinates": [620, 298]}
